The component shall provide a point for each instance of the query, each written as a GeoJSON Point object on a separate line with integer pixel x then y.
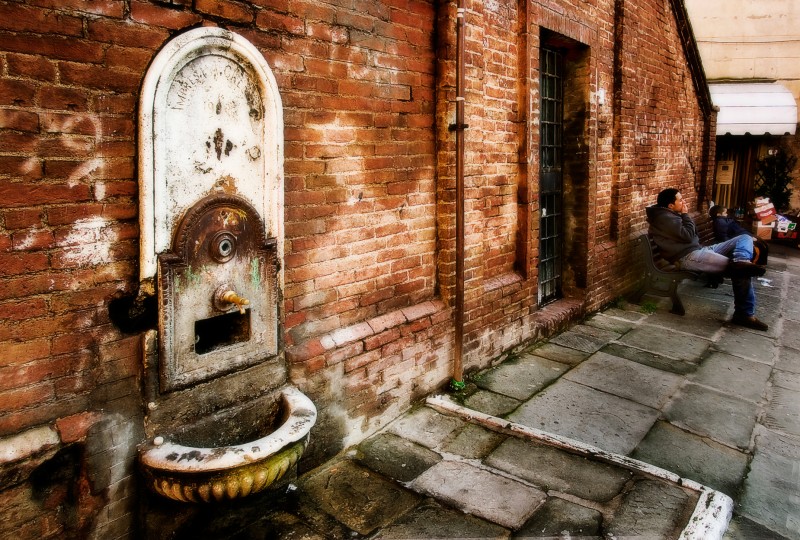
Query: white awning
{"type": "Point", "coordinates": [754, 108]}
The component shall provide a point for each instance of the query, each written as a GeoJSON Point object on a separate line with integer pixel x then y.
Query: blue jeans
{"type": "Point", "coordinates": [715, 259]}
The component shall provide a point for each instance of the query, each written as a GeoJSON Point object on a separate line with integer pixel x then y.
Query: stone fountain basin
{"type": "Point", "coordinates": [207, 474]}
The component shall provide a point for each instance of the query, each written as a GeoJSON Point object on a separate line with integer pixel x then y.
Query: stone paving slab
{"type": "Point", "coordinates": [791, 311]}
{"type": "Point", "coordinates": [770, 314]}
{"type": "Point", "coordinates": [741, 528]}
{"type": "Point", "coordinates": [431, 520]}
{"type": "Point", "coordinates": [791, 303]}
{"type": "Point", "coordinates": [359, 498]}
{"type": "Point", "coordinates": [786, 379]}
{"type": "Point", "coordinates": [584, 338]}
{"type": "Point", "coordinates": [783, 412]}
{"type": "Point", "coordinates": [724, 418]}
{"type": "Point", "coordinates": [551, 468]}
{"type": "Point", "coordinates": [691, 456]}
{"type": "Point", "coordinates": [558, 518]}
{"type": "Point", "coordinates": [633, 315]}
{"type": "Point", "coordinates": [491, 403]}
{"type": "Point", "coordinates": [774, 281]}
{"type": "Point", "coordinates": [426, 427]}
{"type": "Point", "coordinates": [703, 302]}
{"type": "Point", "coordinates": [791, 287]}
{"type": "Point", "coordinates": [277, 525]}
{"type": "Point", "coordinates": [704, 325]}
{"type": "Point", "coordinates": [715, 310]}
{"type": "Point", "coordinates": [768, 305]}
{"type": "Point", "coordinates": [748, 344]}
{"type": "Point", "coordinates": [474, 442]}
{"type": "Point", "coordinates": [559, 353]}
{"type": "Point", "coordinates": [772, 488]}
{"type": "Point", "coordinates": [396, 457]}
{"type": "Point", "coordinates": [733, 375]}
{"type": "Point", "coordinates": [650, 510]}
{"type": "Point", "coordinates": [662, 341]}
{"type": "Point", "coordinates": [626, 379]}
{"type": "Point", "coordinates": [613, 324]}
{"type": "Point", "coordinates": [647, 358]}
{"type": "Point", "coordinates": [776, 263]}
{"type": "Point", "coordinates": [520, 377]}
{"type": "Point", "coordinates": [582, 413]}
{"type": "Point", "coordinates": [791, 308]}
{"type": "Point", "coordinates": [788, 360]}
{"type": "Point", "coordinates": [481, 493]}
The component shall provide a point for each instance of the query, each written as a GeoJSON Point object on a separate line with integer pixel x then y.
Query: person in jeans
{"type": "Point", "coordinates": [675, 234]}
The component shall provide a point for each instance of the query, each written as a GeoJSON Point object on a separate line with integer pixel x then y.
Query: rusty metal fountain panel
{"type": "Point", "coordinates": [211, 196]}
{"type": "Point", "coordinates": [218, 293]}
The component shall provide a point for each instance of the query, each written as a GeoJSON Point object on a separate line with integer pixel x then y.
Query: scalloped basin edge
{"type": "Point", "coordinates": [198, 474]}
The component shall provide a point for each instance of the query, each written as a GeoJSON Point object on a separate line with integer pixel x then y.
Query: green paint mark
{"type": "Point", "coordinates": [194, 279]}
{"type": "Point", "coordinates": [255, 272]}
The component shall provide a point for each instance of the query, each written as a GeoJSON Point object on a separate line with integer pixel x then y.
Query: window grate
{"type": "Point", "coordinates": [550, 180]}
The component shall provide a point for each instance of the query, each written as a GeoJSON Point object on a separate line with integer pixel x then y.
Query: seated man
{"type": "Point", "coordinates": [675, 234]}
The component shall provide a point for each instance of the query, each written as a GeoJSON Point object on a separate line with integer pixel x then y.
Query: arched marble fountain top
{"type": "Point", "coordinates": [211, 120]}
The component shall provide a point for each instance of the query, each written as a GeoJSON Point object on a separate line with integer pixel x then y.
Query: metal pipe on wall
{"type": "Point", "coordinates": [458, 366]}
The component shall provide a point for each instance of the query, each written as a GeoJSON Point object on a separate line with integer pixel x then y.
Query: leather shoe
{"type": "Point", "coordinates": [749, 322]}
{"type": "Point", "coordinates": [745, 269]}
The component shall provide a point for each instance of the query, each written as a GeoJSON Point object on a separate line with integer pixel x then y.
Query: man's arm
{"type": "Point", "coordinates": [680, 228]}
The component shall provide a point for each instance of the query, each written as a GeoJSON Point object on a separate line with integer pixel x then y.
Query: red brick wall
{"type": "Point", "coordinates": [367, 89]}
{"type": "Point", "coordinates": [659, 131]}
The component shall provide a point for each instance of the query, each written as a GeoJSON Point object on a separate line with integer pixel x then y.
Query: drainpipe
{"type": "Point", "coordinates": [458, 369]}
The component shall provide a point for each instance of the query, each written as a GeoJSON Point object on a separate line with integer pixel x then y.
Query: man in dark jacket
{"type": "Point", "coordinates": [675, 234]}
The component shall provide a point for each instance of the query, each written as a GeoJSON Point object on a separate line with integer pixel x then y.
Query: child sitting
{"type": "Point", "coordinates": [726, 228]}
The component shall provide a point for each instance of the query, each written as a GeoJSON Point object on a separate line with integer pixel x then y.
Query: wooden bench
{"type": "Point", "coordinates": [661, 278]}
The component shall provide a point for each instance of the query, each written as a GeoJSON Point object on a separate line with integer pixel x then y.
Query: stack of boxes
{"type": "Point", "coordinates": [764, 217]}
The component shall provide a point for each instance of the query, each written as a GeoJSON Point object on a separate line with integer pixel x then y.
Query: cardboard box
{"type": "Point", "coordinates": [762, 231]}
{"type": "Point", "coordinates": [763, 211]}
{"type": "Point", "coordinates": [766, 220]}
{"type": "Point", "coordinates": [789, 235]}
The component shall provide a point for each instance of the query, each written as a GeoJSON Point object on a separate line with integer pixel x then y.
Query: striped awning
{"type": "Point", "coordinates": [754, 108]}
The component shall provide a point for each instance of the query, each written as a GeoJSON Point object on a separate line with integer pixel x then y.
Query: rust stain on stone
{"type": "Point", "coordinates": [218, 138]}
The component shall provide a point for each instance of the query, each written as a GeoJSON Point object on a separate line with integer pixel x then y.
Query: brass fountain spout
{"type": "Point", "coordinates": [226, 297]}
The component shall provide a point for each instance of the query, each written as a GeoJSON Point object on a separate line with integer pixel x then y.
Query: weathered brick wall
{"type": "Point", "coordinates": [367, 89]}
{"type": "Point", "coordinates": [68, 87]}
{"type": "Point", "coordinates": [662, 138]}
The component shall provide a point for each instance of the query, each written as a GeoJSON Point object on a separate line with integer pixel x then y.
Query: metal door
{"type": "Point", "coordinates": [551, 91]}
